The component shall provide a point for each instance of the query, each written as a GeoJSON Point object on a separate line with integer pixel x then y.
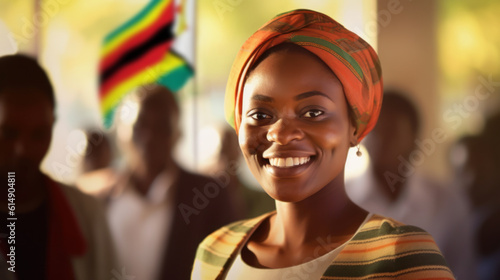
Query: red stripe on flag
{"type": "Point", "coordinates": [148, 59]}
{"type": "Point", "coordinates": [166, 16]}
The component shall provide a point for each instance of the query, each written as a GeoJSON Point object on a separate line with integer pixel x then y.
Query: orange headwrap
{"type": "Point", "coordinates": [353, 61]}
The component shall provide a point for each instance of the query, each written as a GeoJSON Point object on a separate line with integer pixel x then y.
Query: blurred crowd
{"type": "Point", "coordinates": [146, 217]}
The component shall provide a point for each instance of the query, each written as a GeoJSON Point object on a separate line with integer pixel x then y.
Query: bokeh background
{"type": "Point", "coordinates": [438, 51]}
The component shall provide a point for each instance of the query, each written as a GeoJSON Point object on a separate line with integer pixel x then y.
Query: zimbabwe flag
{"type": "Point", "coordinates": [139, 52]}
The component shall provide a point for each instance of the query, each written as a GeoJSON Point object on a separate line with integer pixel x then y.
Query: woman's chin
{"type": "Point", "coordinates": [287, 196]}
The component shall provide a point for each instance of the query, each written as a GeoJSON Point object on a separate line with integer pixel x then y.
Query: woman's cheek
{"type": "Point", "coordinates": [252, 140]}
{"type": "Point", "coordinates": [326, 136]}
{"type": "Point", "coordinates": [246, 140]}
{"type": "Point", "coordinates": [330, 139]}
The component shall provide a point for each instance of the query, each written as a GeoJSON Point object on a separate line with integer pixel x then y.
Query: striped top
{"type": "Point", "coordinates": [381, 249]}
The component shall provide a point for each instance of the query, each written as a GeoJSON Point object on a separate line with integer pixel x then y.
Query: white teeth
{"type": "Point", "coordinates": [288, 162]}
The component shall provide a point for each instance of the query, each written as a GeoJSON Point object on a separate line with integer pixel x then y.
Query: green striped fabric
{"type": "Point", "coordinates": [381, 249]}
{"type": "Point", "coordinates": [352, 63]}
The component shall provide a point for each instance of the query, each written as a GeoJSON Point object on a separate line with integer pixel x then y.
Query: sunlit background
{"type": "Point", "coordinates": [439, 52]}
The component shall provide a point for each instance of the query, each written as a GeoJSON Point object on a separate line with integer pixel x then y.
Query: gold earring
{"type": "Point", "coordinates": [359, 153]}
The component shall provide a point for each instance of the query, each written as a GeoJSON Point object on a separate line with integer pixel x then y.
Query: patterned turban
{"type": "Point", "coordinates": [353, 61]}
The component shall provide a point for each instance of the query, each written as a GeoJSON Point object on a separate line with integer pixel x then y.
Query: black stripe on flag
{"type": "Point", "coordinates": [163, 35]}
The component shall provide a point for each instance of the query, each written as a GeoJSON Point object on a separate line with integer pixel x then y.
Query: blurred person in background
{"type": "Point", "coordinates": [488, 209]}
{"type": "Point", "coordinates": [159, 212]}
{"type": "Point", "coordinates": [97, 174]}
{"type": "Point", "coordinates": [484, 163]}
{"type": "Point", "coordinates": [394, 187]}
{"type": "Point", "coordinates": [60, 233]}
{"type": "Point", "coordinates": [476, 162]}
{"type": "Point", "coordinates": [254, 202]}
{"type": "Point", "coordinates": [98, 153]}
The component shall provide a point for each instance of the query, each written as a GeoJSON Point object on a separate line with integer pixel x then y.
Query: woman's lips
{"type": "Point", "coordinates": [287, 167]}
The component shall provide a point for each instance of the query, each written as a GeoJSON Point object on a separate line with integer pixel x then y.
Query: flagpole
{"type": "Point", "coordinates": [195, 85]}
{"type": "Point", "coordinates": [36, 22]}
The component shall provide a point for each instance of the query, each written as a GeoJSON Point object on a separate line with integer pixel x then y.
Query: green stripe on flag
{"type": "Point", "coordinates": [109, 117]}
{"type": "Point", "coordinates": [176, 78]}
{"type": "Point", "coordinates": [137, 18]}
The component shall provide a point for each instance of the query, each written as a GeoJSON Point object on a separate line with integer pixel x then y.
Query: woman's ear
{"type": "Point", "coordinates": [353, 135]}
{"type": "Point", "coordinates": [353, 128]}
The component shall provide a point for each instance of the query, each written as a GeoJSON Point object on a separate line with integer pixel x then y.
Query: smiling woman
{"type": "Point", "coordinates": [302, 91]}
{"type": "Point", "coordinates": [295, 131]}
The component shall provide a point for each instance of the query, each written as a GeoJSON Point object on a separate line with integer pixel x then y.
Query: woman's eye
{"type": "Point", "coordinates": [313, 113]}
{"type": "Point", "coordinates": [260, 116]}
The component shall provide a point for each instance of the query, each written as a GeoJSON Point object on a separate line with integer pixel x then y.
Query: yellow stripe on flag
{"type": "Point", "coordinates": [148, 75]}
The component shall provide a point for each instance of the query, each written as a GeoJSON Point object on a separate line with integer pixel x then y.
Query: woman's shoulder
{"type": "Point", "coordinates": [386, 246]}
{"type": "Point", "coordinates": [219, 247]}
{"type": "Point", "coordinates": [380, 231]}
{"type": "Point", "coordinates": [234, 232]}
{"type": "Point", "coordinates": [381, 225]}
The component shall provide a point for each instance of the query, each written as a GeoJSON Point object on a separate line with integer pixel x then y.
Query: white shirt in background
{"type": "Point", "coordinates": [141, 225]}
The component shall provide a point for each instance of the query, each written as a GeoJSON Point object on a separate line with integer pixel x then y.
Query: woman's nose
{"type": "Point", "coordinates": [284, 131]}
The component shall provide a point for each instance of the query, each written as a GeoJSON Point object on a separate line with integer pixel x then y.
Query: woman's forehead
{"type": "Point", "coordinates": [288, 74]}
{"type": "Point", "coordinates": [292, 51]}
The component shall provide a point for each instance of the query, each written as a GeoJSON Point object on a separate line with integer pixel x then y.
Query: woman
{"type": "Point", "coordinates": [302, 90]}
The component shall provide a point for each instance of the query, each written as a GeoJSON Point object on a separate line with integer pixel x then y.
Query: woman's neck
{"type": "Point", "coordinates": [327, 215]}
{"type": "Point", "coordinates": [305, 230]}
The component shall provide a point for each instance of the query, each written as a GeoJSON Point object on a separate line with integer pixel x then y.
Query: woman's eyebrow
{"type": "Point", "coordinates": [263, 98]}
{"type": "Point", "coordinates": [309, 94]}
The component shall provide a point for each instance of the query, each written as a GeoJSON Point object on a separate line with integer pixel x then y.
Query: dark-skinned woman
{"type": "Point", "coordinates": [302, 91]}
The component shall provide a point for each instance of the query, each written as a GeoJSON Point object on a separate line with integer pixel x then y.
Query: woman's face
{"type": "Point", "coordinates": [295, 131]}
